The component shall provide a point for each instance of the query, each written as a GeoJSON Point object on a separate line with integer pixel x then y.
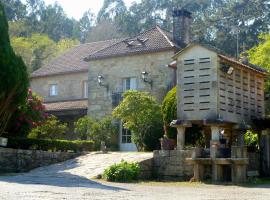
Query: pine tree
{"type": "Point", "coordinates": [13, 76]}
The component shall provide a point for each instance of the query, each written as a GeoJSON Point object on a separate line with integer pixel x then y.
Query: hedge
{"type": "Point", "coordinates": [51, 145]}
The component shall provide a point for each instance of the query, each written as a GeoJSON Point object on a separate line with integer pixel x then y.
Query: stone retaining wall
{"type": "Point", "coordinates": [172, 165]}
{"type": "Point", "coordinates": [16, 160]}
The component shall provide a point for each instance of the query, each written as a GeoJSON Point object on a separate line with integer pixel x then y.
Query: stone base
{"type": "Point", "coordinates": [172, 165]}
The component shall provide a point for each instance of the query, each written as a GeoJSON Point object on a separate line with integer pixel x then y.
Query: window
{"type": "Point", "coordinates": [126, 136]}
{"type": "Point", "coordinates": [129, 84]}
{"type": "Point", "coordinates": [85, 89]}
{"type": "Point", "coordinates": [53, 90]}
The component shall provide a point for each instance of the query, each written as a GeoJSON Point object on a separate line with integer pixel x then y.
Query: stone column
{"type": "Point", "coordinates": [181, 137]}
{"type": "Point", "coordinates": [214, 133]}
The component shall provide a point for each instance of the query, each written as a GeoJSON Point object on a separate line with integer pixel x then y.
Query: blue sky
{"type": "Point", "coordinates": [76, 8]}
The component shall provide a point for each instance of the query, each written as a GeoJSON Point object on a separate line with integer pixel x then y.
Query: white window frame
{"type": "Point", "coordinates": [53, 90]}
{"type": "Point", "coordinates": [85, 89]}
{"type": "Point", "coordinates": [126, 136]}
{"type": "Point", "coordinates": [130, 83]}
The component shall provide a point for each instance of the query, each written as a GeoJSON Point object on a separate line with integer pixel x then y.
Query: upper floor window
{"type": "Point", "coordinates": [129, 84]}
{"type": "Point", "coordinates": [85, 89]}
{"type": "Point", "coordinates": [53, 90]}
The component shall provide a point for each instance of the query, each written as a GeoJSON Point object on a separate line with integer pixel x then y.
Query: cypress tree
{"type": "Point", "coordinates": [14, 80]}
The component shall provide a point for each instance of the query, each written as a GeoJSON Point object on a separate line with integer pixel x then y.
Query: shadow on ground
{"type": "Point", "coordinates": [56, 175]}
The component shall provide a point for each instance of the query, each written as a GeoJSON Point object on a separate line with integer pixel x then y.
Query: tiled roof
{"type": "Point", "coordinates": [67, 105]}
{"type": "Point", "coordinates": [72, 60]}
{"type": "Point", "coordinates": [152, 40]}
{"type": "Point", "coordinates": [249, 65]}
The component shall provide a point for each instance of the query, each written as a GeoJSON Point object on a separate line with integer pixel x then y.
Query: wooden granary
{"type": "Point", "coordinates": [224, 96]}
{"type": "Point", "coordinates": [213, 86]}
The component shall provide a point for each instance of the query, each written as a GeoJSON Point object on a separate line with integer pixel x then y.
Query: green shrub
{"type": "Point", "coordinates": [50, 129]}
{"type": "Point", "coordinates": [98, 130]}
{"type": "Point", "coordinates": [122, 172]}
{"type": "Point", "coordinates": [140, 113]}
{"type": "Point", "coordinates": [169, 112]}
{"type": "Point", "coordinates": [51, 145]}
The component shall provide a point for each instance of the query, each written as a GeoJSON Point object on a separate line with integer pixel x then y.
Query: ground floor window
{"type": "Point", "coordinates": [126, 136]}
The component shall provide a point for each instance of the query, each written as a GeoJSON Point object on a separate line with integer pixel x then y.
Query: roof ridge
{"type": "Point", "coordinates": [166, 37]}
{"type": "Point", "coordinates": [81, 44]}
{"type": "Point", "coordinates": [128, 38]}
{"type": "Point", "coordinates": [88, 57]}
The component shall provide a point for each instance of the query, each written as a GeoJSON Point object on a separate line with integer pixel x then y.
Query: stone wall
{"type": "Point", "coordinates": [115, 70]}
{"type": "Point", "coordinates": [16, 160]}
{"type": "Point", "coordinates": [69, 86]}
{"type": "Point", "coordinates": [172, 165]}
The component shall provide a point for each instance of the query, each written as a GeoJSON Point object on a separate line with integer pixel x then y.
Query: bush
{"type": "Point", "coordinates": [51, 145]}
{"type": "Point", "coordinates": [27, 116]}
{"type": "Point", "coordinates": [122, 172]}
{"type": "Point", "coordinates": [141, 114]}
{"type": "Point", "coordinates": [98, 130]}
{"type": "Point", "coordinates": [169, 112]}
{"type": "Point", "coordinates": [50, 129]}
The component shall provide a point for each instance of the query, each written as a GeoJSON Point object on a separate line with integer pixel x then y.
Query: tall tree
{"type": "Point", "coordinates": [13, 76]}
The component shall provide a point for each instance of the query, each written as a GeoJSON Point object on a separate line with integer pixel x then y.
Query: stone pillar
{"type": "Point", "coordinates": [214, 133]}
{"type": "Point", "coordinates": [181, 137]}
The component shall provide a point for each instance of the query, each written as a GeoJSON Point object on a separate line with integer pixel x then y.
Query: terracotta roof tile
{"type": "Point", "coordinates": [72, 60]}
{"type": "Point", "coordinates": [151, 40]}
{"type": "Point", "coordinates": [67, 105]}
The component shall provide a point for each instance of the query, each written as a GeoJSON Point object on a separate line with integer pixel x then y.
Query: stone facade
{"type": "Point", "coordinates": [172, 165]}
{"type": "Point", "coordinates": [69, 86]}
{"type": "Point", "coordinates": [115, 70]}
{"type": "Point", "coordinates": [16, 160]}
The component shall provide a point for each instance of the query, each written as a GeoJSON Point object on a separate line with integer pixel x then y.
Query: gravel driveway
{"type": "Point", "coordinates": [70, 180]}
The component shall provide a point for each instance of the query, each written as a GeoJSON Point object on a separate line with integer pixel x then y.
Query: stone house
{"type": "Point", "coordinates": [90, 78]}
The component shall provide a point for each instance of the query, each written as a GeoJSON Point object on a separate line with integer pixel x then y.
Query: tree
{"type": "Point", "coordinates": [259, 55]}
{"type": "Point", "coordinates": [86, 23]}
{"type": "Point", "coordinates": [97, 130]}
{"type": "Point", "coordinates": [105, 30]}
{"type": "Point", "coordinates": [50, 129]}
{"type": "Point", "coordinates": [27, 116]}
{"type": "Point", "coordinates": [13, 77]}
{"type": "Point", "coordinates": [141, 114]}
{"type": "Point", "coordinates": [39, 49]}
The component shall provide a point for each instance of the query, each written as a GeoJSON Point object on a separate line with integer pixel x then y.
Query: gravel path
{"type": "Point", "coordinates": [70, 181]}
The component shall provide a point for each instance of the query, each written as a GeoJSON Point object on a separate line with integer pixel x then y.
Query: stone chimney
{"type": "Point", "coordinates": [182, 20]}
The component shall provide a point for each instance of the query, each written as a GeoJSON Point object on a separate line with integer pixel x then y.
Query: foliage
{"type": "Point", "coordinates": [259, 55]}
{"type": "Point", "coordinates": [251, 139]}
{"type": "Point", "coordinates": [50, 129]}
{"type": "Point", "coordinates": [169, 112]}
{"type": "Point", "coordinates": [13, 77]}
{"type": "Point", "coordinates": [51, 145]}
{"type": "Point", "coordinates": [27, 116]}
{"type": "Point", "coordinates": [140, 113]}
{"type": "Point", "coordinates": [97, 130]}
{"type": "Point", "coordinates": [39, 49]}
{"type": "Point", "coordinates": [122, 172]}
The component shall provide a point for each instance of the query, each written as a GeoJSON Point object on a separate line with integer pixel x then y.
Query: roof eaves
{"type": "Point", "coordinates": [259, 70]}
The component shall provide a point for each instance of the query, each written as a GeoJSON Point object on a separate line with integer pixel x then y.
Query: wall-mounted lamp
{"type": "Point", "coordinates": [101, 82]}
{"type": "Point", "coordinates": [145, 78]}
{"type": "Point", "coordinates": [227, 69]}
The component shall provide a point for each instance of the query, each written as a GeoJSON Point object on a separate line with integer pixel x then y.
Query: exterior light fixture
{"type": "Point", "coordinates": [101, 81]}
{"type": "Point", "coordinates": [227, 69]}
{"type": "Point", "coordinates": [145, 78]}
